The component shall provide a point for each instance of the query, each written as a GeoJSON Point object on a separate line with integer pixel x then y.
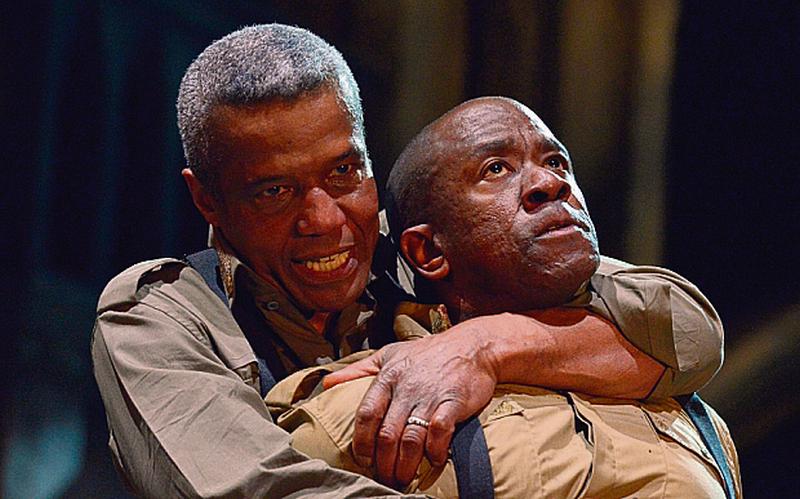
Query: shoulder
{"type": "Point", "coordinates": [333, 409]}
{"type": "Point", "coordinates": [167, 300]}
{"type": "Point", "coordinates": [613, 267]}
{"type": "Point", "coordinates": [650, 288]}
{"type": "Point", "coordinates": [165, 290]}
{"type": "Point", "coordinates": [610, 265]}
{"type": "Point", "coordinates": [164, 282]}
{"type": "Point", "coordinates": [617, 270]}
{"type": "Point", "coordinates": [124, 287]}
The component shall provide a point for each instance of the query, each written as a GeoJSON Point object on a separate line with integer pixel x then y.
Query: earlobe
{"type": "Point", "coordinates": [203, 199]}
{"type": "Point", "coordinates": [423, 252]}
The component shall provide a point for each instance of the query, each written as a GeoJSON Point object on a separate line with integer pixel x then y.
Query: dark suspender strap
{"type": "Point", "coordinates": [470, 452]}
{"type": "Point", "coordinates": [251, 322]}
{"type": "Point", "coordinates": [265, 378]}
{"type": "Point", "coordinates": [390, 296]}
{"type": "Point", "coordinates": [471, 461]}
{"type": "Point", "coordinates": [206, 263]}
{"type": "Point", "coordinates": [385, 286]}
{"type": "Point", "coordinates": [696, 409]}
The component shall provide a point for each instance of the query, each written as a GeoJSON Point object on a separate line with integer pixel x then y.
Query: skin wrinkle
{"type": "Point", "coordinates": [258, 64]}
{"type": "Point", "coordinates": [501, 224]}
{"type": "Point", "coordinates": [310, 214]}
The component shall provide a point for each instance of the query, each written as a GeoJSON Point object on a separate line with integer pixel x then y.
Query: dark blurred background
{"type": "Point", "coordinates": [681, 118]}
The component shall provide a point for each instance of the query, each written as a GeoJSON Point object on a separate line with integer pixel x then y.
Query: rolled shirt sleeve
{"type": "Point", "coordinates": [665, 316]}
{"type": "Point", "coordinates": [182, 423]}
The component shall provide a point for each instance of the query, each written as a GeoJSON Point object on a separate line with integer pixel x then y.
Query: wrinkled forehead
{"type": "Point", "coordinates": [476, 126]}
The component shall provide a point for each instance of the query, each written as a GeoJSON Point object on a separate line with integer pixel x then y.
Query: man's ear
{"type": "Point", "coordinates": [205, 202]}
{"type": "Point", "coordinates": [423, 252]}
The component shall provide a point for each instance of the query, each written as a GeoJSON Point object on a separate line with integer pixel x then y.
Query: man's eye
{"type": "Point", "coordinates": [346, 175]}
{"type": "Point", "coordinates": [343, 169]}
{"type": "Point", "coordinates": [274, 191]}
{"type": "Point", "coordinates": [556, 162]}
{"type": "Point", "coordinates": [496, 169]}
{"type": "Point", "coordinates": [348, 170]}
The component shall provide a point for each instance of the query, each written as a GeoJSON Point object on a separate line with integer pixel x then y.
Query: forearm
{"type": "Point", "coordinates": [447, 377]}
{"type": "Point", "coordinates": [566, 349]}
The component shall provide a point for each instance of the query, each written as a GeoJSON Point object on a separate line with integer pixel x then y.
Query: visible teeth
{"type": "Point", "coordinates": [327, 263]}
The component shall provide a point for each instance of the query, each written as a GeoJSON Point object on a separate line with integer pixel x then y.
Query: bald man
{"type": "Point", "coordinates": [492, 220]}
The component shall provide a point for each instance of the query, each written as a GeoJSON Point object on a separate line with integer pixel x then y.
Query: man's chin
{"type": "Point", "coordinates": [559, 283]}
{"type": "Point", "coordinates": [326, 303]}
{"type": "Point", "coordinates": [331, 298]}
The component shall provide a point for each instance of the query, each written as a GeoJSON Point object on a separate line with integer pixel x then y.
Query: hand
{"type": "Point", "coordinates": [443, 379]}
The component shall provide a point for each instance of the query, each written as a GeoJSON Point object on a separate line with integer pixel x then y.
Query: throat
{"type": "Point", "coordinates": [463, 310]}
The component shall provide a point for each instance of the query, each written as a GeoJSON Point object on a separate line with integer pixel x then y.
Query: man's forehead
{"type": "Point", "coordinates": [495, 123]}
{"type": "Point", "coordinates": [247, 119]}
{"type": "Point", "coordinates": [281, 138]}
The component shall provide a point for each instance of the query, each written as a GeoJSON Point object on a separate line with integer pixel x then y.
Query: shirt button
{"type": "Point", "coordinates": [272, 306]}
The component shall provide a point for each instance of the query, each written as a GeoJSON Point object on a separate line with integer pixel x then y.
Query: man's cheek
{"type": "Point", "coordinates": [577, 200]}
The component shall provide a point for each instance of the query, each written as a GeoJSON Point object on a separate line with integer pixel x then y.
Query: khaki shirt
{"type": "Point", "coordinates": [541, 443]}
{"type": "Point", "coordinates": [180, 381]}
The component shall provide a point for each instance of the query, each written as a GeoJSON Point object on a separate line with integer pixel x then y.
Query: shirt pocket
{"type": "Point", "coordinates": [672, 422]}
{"type": "Point", "coordinates": [627, 450]}
{"type": "Point", "coordinates": [539, 445]}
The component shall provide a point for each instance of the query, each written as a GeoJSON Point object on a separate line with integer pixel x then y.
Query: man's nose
{"type": "Point", "coordinates": [542, 186]}
{"type": "Point", "coordinates": [321, 214]}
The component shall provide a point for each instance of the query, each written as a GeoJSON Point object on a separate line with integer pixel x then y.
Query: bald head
{"type": "Point", "coordinates": [485, 200]}
{"type": "Point", "coordinates": [414, 178]}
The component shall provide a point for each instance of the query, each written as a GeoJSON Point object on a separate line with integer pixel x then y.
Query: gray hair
{"type": "Point", "coordinates": [255, 65]}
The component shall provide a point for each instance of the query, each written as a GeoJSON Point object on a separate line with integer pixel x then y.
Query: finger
{"type": "Point", "coordinates": [387, 442]}
{"type": "Point", "coordinates": [412, 447]}
{"type": "Point", "coordinates": [368, 366]}
{"type": "Point", "coordinates": [369, 417]}
{"type": "Point", "coordinates": [440, 432]}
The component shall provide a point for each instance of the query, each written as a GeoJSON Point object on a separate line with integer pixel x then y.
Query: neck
{"type": "Point", "coordinates": [463, 307]}
{"type": "Point", "coordinates": [460, 307]}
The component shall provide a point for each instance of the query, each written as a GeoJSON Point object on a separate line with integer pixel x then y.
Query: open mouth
{"type": "Point", "coordinates": [327, 263]}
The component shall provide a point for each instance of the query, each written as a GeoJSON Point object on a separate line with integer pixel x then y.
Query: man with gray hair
{"type": "Point", "coordinates": [253, 66]}
{"type": "Point", "coordinates": [184, 350]}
